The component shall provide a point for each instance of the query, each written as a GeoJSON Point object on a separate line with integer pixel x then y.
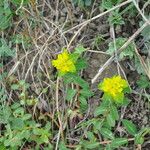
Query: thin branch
{"type": "Point", "coordinates": [58, 113]}
{"type": "Point", "coordinates": [110, 60]}
{"type": "Point", "coordinates": [140, 12]}
{"type": "Point", "coordinates": [98, 16]}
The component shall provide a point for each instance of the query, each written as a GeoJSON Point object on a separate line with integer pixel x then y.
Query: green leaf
{"type": "Point", "coordinates": [100, 110]}
{"type": "Point", "coordinates": [97, 124]}
{"type": "Point", "coordinates": [19, 112]}
{"type": "Point", "coordinates": [114, 112]}
{"type": "Point", "coordinates": [44, 139]}
{"type": "Point", "coordinates": [18, 2]}
{"type": "Point", "coordinates": [107, 133]}
{"type": "Point", "coordinates": [128, 52]}
{"type": "Point", "coordinates": [126, 102]}
{"type": "Point", "coordinates": [119, 142]}
{"type": "Point", "coordinates": [70, 94]}
{"type": "Point", "coordinates": [143, 82]}
{"type": "Point", "coordinates": [80, 3]}
{"type": "Point", "coordinates": [86, 93]}
{"type": "Point", "coordinates": [130, 127]}
{"type": "Point", "coordinates": [5, 16]}
{"type": "Point", "coordinates": [83, 104]}
{"type": "Point", "coordinates": [15, 87]}
{"type": "Point", "coordinates": [14, 141]}
{"type": "Point", "coordinates": [2, 147]}
{"type": "Point", "coordinates": [108, 147]}
{"type": "Point", "coordinates": [48, 126]}
{"type": "Point", "coordinates": [5, 114]}
{"type": "Point", "coordinates": [139, 138]}
{"type": "Point", "coordinates": [81, 64]}
{"type": "Point", "coordinates": [2, 92]}
{"type": "Point", "coordinates": [15, 106]}
{"type": "Point", "coordinates": [107, 4]}
{"type": "Point", "coordinates": [81, 82]}
{"type": "Point", "coordinates": [79, 50]}
{"type": "Point", "coordinates": [18, 124]}
{"type": "Point", "coordinates": [91, 145]}
{"type": "Point", "coordinates": [62, 146]}
{"type": "Point", "coordinates": [26, 117]}
{"type": "Point", "coordinates": [146, 31]}
{"type": "Point", "coordinates": [107, 98]}
{"type": "Point", "coordinates": [70, 77]}
{"type": "Point", "coordinates": [5, 50]}
{"type": "Point", "coordinates": [115, 18]}
{"type": "Point", "coordinates": [88, 2]}
{"type": "Point", "coordinates": [90, 136]}
{"type": "Point", "coordinates": [138, 66]}
{"type": "Point", "coordinates": [26, 134]}
{"type": "Point", "coordinates": [110, 120]}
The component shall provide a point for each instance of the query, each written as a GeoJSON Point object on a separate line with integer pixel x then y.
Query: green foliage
{"type": "Point", "coordinates": [20, 127]}
{"type": "Point", "coordinates": [115, 18]}
{"type": "Point", "coordinates": [98, 41]}
{"type": "Point", "coordinates": [118, 142]}
{"type": "Point", "coordinates": [103, 108]}
{"type": "Point", "coordinates": [84, 92]}
{"type": "Point", "coordinates": [91, 142]}
{"type": "Point", "coordinates": [107, 133]}
{"type": "Point", "coordinates": [70, 94]}
{"type": "Point", "coordinates": [5, 49]}
{"type": "Point", "coordinates": [18, 2]}
{"type": "Point", "coordinates": [143, 82]}
{"type": "Point", "coordinates": [21, 39]}
{"type": "Point", "coordinates": [146, 31]}
{"type": "Point", "coordinates": [128, 52]}
{"type": "Point", "coordinates": [107, 4]}
{"type": "Point", "coordinates": [62, 146]}
{"type": "Point", "coordinates": [82, 3]}
{"type": "Point", "coordinates": [139, 137]}
{"type": "Point", "coordinates": [5, 15]}
{"type": "Point", "coordinates": [3, 95]}
{"type": "Point", "coordinates": [130, 127]}
{"type": "Point", "coordinates": [100, 110]}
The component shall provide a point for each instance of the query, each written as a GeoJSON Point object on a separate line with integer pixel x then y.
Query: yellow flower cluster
{"type": "Point", "coordinates": [64, 63]}
{"type": "Point", "coordinates": [114, 87]}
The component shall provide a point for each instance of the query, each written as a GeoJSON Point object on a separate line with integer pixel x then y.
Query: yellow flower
{"type": "Point", "coordinates": [64, 63]}
{"type": "Point", "coordinates": [114, 87]}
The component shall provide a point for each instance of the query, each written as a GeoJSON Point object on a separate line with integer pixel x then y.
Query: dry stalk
{"type": "Point", "coordinates": [145, 67]}
{"type": "Point", "coordinates": [57, 108]}
{"type": "Point", "coordinates": [98, 16]}
{"type": "Point", "coordinates": [110, 60]}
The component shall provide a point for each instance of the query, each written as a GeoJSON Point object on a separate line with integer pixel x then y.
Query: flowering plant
{"type": "Point", "coordinates": [68, 66]}
{"type": "Point", "coordinates": [64, 63]}
{"type": "Point", "coordinates": [114, 88]}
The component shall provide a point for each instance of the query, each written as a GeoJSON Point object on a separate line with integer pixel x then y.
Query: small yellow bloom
{"type": "Point", "coordinates": [114, 87]}
{"type": "Point", "coordinates": [64, 63]}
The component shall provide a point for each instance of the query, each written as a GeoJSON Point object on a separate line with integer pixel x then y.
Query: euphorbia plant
{"type": "Point", "coordinates": [69, 66]}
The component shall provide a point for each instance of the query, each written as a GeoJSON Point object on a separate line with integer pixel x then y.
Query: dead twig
{"type": "Point", "coordinates": [145, 67]}
{"type": "Point", "coordinates": [98, 16]}
{"type": "Point", "coordinates": [110, 60]}
{"type": "Point", "coordinates": [58, 113]}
